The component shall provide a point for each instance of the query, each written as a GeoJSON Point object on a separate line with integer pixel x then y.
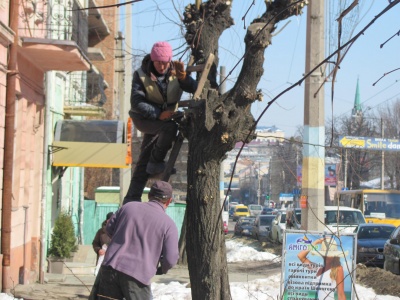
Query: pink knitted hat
{"type": "Point", "coordinates": [161, 51]}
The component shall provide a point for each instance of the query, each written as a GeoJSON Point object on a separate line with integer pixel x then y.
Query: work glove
{"type": "Point", "coordinates": [180, 70]}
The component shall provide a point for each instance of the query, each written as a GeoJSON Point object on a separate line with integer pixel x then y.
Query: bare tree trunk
{"type": "Point", "coordinates": [205, 240]}
{"type": "Point", "coordinates": [214, 125]}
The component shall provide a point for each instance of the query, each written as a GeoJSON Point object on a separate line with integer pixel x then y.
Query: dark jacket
{"type": "Point", "coordinates": [142, 107]}
{"type": "Point", "coordinates": [100, 239]}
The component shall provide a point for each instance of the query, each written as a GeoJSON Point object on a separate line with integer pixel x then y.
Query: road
{"type": "Point", "coordinates": [253, 268]}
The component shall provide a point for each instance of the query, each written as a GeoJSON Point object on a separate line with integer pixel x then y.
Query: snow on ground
{"type": "Point", "coordinates": [236, 251]}
{"type": "Point", "coordinates": [260, 289]}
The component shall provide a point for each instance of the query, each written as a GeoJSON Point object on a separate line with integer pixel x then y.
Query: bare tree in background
{"type": "Point", "coordinates": [361, 164]}
{"type": "Point", "coordinates": [391, 126]}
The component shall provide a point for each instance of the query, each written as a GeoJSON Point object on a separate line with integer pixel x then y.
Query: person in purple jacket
{"type": "Point", "coordinates": [142, 237]}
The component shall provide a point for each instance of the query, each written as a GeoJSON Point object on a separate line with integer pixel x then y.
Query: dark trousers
{"type": "Point", "coordinates": [157, 140]}
{"type": "Point", "coordinates": [117, 285]}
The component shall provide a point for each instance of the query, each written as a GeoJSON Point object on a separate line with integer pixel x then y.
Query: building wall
{"type": "Point", "coordinates": [108, 46]}
{"type": "Point", "coordinates": [27, 170]}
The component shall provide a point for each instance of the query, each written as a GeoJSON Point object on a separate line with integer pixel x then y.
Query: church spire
{"type": "Point", "coordinates": [357, 104]}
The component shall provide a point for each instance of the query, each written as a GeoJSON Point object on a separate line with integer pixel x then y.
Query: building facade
{"type": "Point", "coordinates": [46, 77]}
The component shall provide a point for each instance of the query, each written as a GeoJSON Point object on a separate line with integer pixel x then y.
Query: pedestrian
{"type": "Point", "coordinates": [100, 244]}
{"type": "Point", "coordinates": [289, 219]}
{"type": "Point", "coordinates": [101, 239]}
{"type": "Point", "coordinates": [142, 237]}
{"type": "Point", "coordinates": [329, 276]}
{"type": "Point", "coordinates": [157, 86]}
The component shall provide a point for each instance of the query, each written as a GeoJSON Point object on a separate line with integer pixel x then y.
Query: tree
{"type": "Point", "coordinates": [360, 163]}
{"type": "Point", "coordinates": [63, 241]}
{"type": "Point", "coordinates": [390, 116]}
{"type": "Point", "coordinates": [214, 125]}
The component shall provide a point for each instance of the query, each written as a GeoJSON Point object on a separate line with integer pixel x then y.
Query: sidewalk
{"type": "Point", "coordinates": [78, 279]}
{"type": "Point", "coordinates": [68, 286]}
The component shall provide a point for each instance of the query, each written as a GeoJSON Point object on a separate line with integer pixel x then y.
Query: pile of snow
{"type": "Point", "coordinates": [236, 252]}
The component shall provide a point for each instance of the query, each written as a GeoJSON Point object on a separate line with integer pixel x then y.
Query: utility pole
{"type": "Point", "coordinates": [383, 160]}
{"type": "Point", "coordinates": [270, 181]}
{"type": "Point", "coordinates": [259, 185]}
{"type": "Point", "coordinates": [124, 174]}
{"type": "Point", "coordinates": [313, 173]}
{"type": "Point", "coordinates": [124, 100]}
{"type": "Point", "coordinates": [345, 169]}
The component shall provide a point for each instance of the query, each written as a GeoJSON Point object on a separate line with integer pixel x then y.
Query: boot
{"type": "Point", "coordinates": [159, 175]}
{"type": "Point", "coordinates": [154, 168]}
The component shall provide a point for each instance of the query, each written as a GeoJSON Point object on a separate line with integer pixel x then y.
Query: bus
{"type": "Point", "coordinates": [378, 206]}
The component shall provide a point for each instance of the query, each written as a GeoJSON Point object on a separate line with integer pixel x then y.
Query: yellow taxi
{"type": "Point", "coordinates": [240, 211]}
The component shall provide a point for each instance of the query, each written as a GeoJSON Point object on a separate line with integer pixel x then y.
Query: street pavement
{"type": "Point", "coordinates": [68, 286]}
{"type": "Point", "coordinates": [78, 279]}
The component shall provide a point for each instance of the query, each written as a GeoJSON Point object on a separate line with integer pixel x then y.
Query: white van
{"type": "Point", "coordinates": [343, 219]}
{"type": "Point", "coordinates": [255, 209]}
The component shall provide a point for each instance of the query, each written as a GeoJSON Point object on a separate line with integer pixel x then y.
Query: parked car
{"type": "Point", "coordinates": [225, 227]}
{"type": "Point", "coordinates": [233, 204]}
{"type": "Point", "coordinates": [278, 227]}
{"type": "Point", "coordinates": [255, 209]}
{"type": "Point", "coordinates": [243, 226]}
{"type": "Point", "coordinates": [391, 252]}
{"type": "Point", "coordinates": [371, 238]}
{"type": "Point", "coordinates": [269, 211]}
{"type": "Point", "coordinates": [279, 223]}
{"type": "Point", "coordinates": [262, 227]}
{"type": "Point", "coordinates": [240, 211]}
{"type": "Point", "coordinates": [295, 218]}
{"type": "Point", "coordinates": [231, 211]}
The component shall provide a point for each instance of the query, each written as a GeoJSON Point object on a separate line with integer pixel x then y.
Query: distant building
{"type": "Point", "coordinates": [249, 182]}
{"type": "Point", "coordinates": [271, 134]}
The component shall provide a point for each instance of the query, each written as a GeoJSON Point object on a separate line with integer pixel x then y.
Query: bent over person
{"type": "Point", "coordinates": [101, 238]}
{"type": "Point", "coordinates": [157, 86]}
{"type": "Point", "coordinates": [142, 236]}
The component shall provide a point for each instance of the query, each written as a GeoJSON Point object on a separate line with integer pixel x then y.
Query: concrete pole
{"type": "Point", "coordinates": [123, 110]}
{"type": "Point", "coordinates": [313, 182]}
{"type": "Point", "coordinates": [259, 185]}
{"type": "Point", "coordinates": [383, 160]}
{"type": "Point", "coordinates": [345, 169]}
{"type": "Point", "coordinates": [126, 174]}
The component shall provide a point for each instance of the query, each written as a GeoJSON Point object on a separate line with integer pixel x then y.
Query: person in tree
{"type": "Point", "coordinates": [157, 86]}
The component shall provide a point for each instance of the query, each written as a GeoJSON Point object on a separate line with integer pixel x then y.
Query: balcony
{"type": "Point", "coordinates": [98, 28]}
{"type": "Point", "coordinates": [77, 102]}
{"type": "Point", "coordinates": [54, 35]}
{"type": "Point", "coordinates": [50, 54]}
{"type": "Point", "coordinates": [6, 35]}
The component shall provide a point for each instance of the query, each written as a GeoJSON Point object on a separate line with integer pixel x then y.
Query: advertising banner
{"type": "Point", "coordinates": [369, 143]}
{"type": "Point", "coordinates": [330, 174]}
{"type": "Point", "coordinates": [317, 266]}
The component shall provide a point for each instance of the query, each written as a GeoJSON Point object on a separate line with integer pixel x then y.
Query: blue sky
{"type": "Point", "coordinates": [285, 59]}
